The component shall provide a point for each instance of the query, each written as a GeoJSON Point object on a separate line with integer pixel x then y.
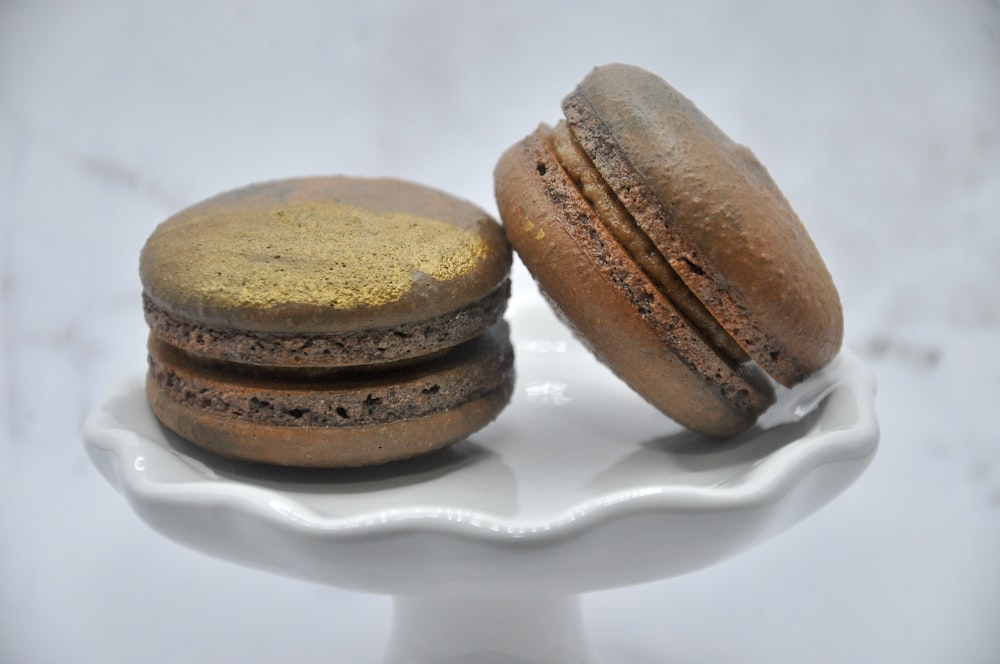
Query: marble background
{"type": "Point", "coordinates": [879, 120]}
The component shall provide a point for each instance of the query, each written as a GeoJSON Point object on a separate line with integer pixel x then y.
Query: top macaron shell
{"type": "Point", "coordinates": [433, 254]}
{"type": "Point", "coordinates": [726, 228]}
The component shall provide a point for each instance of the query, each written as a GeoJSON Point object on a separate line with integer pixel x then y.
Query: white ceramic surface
{"type": "Point", "coordinates": [578, 486]}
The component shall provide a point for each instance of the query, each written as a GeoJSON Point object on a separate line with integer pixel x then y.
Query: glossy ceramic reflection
{"type": "Point", "coordinates": [578, 486]}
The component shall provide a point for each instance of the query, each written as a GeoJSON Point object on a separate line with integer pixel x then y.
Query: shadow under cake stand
{"type": "Point", "coordinates": [486, 546]}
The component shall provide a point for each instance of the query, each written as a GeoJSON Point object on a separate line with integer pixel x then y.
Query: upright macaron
{"type": "Point", "coordinates": [330, 321]}
{"type": "Point", "coordinates": [669, 250]}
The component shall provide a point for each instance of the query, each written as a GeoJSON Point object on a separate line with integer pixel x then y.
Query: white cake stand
{"type": "Point", "coordinates": [486, 547]}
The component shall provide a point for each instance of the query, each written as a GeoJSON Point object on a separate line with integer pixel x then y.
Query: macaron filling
{"type": "Point", "coordinates": [640, 247]}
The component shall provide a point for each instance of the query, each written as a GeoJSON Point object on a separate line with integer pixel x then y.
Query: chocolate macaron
{"type": "Point", "coordinates": [327, 321]}
{"type": "Point", "coordinates": [669, 250]}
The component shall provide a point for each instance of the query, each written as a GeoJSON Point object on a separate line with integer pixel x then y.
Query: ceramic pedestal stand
{"type": "Point", "coordinates": [486, 546]}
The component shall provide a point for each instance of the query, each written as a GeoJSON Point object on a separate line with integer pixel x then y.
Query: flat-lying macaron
{"type": "Point", "coordinates": [669, 250]}
{"type": "Point", "coordinates": [330, 321]}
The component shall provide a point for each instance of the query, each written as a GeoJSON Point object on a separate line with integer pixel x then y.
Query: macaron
{"type": "Point", "coordinates": [669, 250]}
{"type": "Point", "coordinates": [328, 321]}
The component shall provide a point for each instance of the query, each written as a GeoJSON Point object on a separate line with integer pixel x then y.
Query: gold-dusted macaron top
{"type": "Point", "coordinates": [319, 254]}
{"type": "Point", "coordinates": [322, 254]}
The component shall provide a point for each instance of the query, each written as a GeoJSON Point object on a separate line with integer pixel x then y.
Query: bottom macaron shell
{"type": "Point", "coordinates": [328, 447]}
{"type": "Point", "coordinates": [610, 305]}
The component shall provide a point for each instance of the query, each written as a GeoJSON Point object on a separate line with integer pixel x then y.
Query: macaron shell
{"type": "Point", "coordinates": [438, 254]}
{"type": "Point", "coordinates": [610, 304]}
{"type": "Point", "coordinates": [715, 213]}
{"type": "Point", "coordinates": [330, 447]}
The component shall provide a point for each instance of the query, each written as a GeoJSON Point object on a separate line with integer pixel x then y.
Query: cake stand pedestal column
{"type": "Point", "coordinates": [502, 629]}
